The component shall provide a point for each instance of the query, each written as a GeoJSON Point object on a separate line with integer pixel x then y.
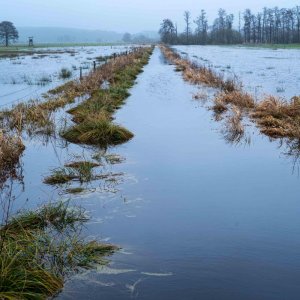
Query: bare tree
{"type": "Point", "coordinates": [201, 28]}
{"type": "Point", "coordinates": [187, 20]}
{"type": "Point", "coordinates": [271, 25]}
{"type": "Point", "coordinates": [8, 32]}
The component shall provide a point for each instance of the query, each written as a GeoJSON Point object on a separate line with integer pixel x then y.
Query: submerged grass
{"type": "Point", "coordinates": [60, 176]}
{"type": "Point", "coordinates": [81, 171]}
{"type": "Point", "coordinates": [75, 190]}
{"type": "Point", "coordinates": [41, 249]}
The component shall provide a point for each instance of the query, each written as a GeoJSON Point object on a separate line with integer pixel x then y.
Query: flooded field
{"type": "Point", "coordinates": [27, 76]}
{"type": "Point", "coordinates": [262, 71]}
{"type": "Point", "coordinates": [195, 216]}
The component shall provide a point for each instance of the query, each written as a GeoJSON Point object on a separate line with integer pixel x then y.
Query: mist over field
{"type": "Point", "coordinates": [120, 16]}
{"type": "Point", "coordinates": [75, 35]}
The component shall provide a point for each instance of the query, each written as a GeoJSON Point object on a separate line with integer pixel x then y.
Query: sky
{"type": "Point", "coordinates": [120, 15]}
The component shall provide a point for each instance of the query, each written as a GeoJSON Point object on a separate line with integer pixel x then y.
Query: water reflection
{"type": "Point", "coordinates": [235, 130]}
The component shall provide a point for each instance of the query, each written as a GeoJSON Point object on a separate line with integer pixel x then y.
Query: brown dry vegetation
{"type": "Point", "coordinates": [275, 117]}
{"type": "Point", "coordinates": [11, 148]}
{"type": "Point", "coordinates": [278, 118]}
{"type": "Point", "coordinates": [199, 74]}
{"type": "Point", "coordinates": [238, 98]}
{"type": "Point", "coordinates": [36, 116]}
{"type": "Point", "coordinates": [234, 130]}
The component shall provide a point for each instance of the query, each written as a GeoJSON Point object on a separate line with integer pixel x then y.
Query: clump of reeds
{"type": "Point", "coordinates": [93, 117]}
{"type": "Point", "coordinates": [30, 116]}
{"type": "Point", "coordinates": [219, 106]}
{"type": "Point", "coordinates": [238, 98]}
{"type": "Point", "coordinates": [81, 171]}
{"type": "Point", "coordinates": [278, 107]}
{"type": "Point", "coordinates": [11, 147]}
{"type": "Point", "coordinates": [278, 118]}
{"type": "Point", "coordinates": [60, 176]}
{"type": "Point", "coordinates": [97, 130]}
{"type": "Point", "coordinates": [234, 130]}
{"type": "Point", "coordinates": [40, 249]}
{"type": "Point", "coordinates": [65, 73]}
{"type": "Point", "coordinates": [58, 215]}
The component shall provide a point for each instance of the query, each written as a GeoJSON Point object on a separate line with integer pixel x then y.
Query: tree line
{"type": "Point", "coordinates": [271, 25]}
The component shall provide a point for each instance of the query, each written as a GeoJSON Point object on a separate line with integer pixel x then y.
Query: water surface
{"type": "Point", "coordinates": [196, 217]}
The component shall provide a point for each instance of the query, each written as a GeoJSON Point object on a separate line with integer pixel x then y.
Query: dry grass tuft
{"type": "Point", "coordinates": [97, 130]}
{"type": "Point", "coordinates": [278, 118]}
{"type": "Point", "coordinates": [238, 98]}
{"type": "Point", "coordinates": [234, 130]}
{"type": "Point", "coordinates": [41, 249]}
{"type": "Point", "coordinates": [11, 149]}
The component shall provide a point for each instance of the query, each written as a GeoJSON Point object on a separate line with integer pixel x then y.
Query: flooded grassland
{"type": "Point", "coordinates": [42, 240]}
{"type": "Point", "coordinates": [199, 208]}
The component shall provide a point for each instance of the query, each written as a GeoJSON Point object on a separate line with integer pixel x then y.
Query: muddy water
{"type": "Point", "coordinates": [196, 217]}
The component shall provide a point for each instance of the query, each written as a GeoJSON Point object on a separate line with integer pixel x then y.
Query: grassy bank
{"type": "Point", "coordinates": [41, 249]}
{"type": "Point", "coordinates": [37, 116]}
{"type": "Point", "coordinates": [274, 116]}
{"type": "Point", "coordinates": [94, 117]}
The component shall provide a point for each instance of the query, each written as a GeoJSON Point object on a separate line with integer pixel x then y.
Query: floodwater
{"type": "Point", "coordinates": [262, 71]}
{"type": "Point", "coordinates": [29, 76]}
{"type": "Point", "coordinates": [196, 217]}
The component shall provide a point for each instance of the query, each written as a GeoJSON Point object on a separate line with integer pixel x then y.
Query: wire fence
{"type": "Point", "coordinates": [82, 70]}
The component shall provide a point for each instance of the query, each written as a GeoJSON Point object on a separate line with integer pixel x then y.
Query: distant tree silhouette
{"type": "Point", "coordinates": [187, 20]}
{"type": "Point", "coordinates": [127, 38]}
{"type": "Point", "coordinates": [201, 31]}
{"type": "Point", "coordinates": [271, 25]}
{"type": "Point", "coordinates": [8, 33]}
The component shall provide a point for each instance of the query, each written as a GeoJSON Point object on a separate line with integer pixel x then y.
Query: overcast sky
{"type": "Point", "coordinates": [119, 15]}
